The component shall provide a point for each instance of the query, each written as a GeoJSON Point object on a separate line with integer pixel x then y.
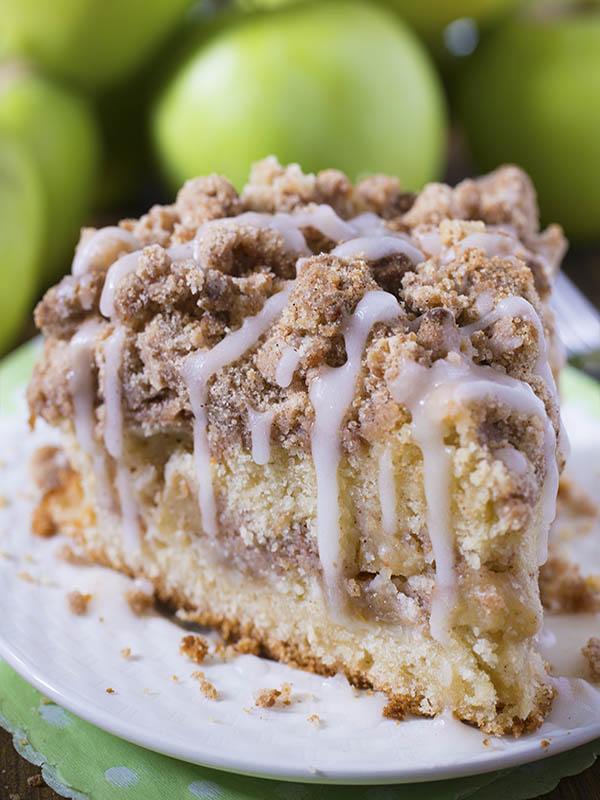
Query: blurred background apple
{"type": "Point", "coordinates": [338, 84]}
{"type": "Point", "coordinates": [58, 130]}
{"type": "Point", "coordinates": [93, 43]}
{"type": "Point", "coordinates": [119, 102]}
{"type": "Point", "coordinates": [430, 19]}
{"type": "Point", "coordinates": [21, 234]}
{"type": "Point", "coordinates": [530, 94]}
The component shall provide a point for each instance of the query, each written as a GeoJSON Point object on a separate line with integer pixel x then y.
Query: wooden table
{"type": "Point", "coordinates": [583, 266]}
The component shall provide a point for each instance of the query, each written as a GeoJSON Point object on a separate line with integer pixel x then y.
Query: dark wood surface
{"type": "Point", "coordinates": [583, 266]}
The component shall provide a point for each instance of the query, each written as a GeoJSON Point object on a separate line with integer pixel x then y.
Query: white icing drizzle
{"type": "Point", "coordinates": [369, 224]}
{"type": "Point", "coordinates": [115, 274]}
{"type": "Point", "coordinates": [324, 219]}
{"type": "Point", "coordinates": [429, 393]}
{"type": "Point", "coordinates": [113, 415]}
{"type": "Point", "coordinates": [83, 391]}
{"type": "Point", "coordinates": [181, 252]}
{"type": "Point", "coordinates": [260, 423]}
{"type": "Point", "coordinates": [428, 239]}
{"type": "Point", "coordinates": [331, 394]}
{"type": "Point", "coordinates": [127, 264]}
{"type": "Point", "coordinates": [374, 248]}
{"type": "Point", "coordinates": [513, 459]}
{"type": "Point", "coordinates": [198, 369]}
{"type": "Point", "coordinates": [497, 243]}
{"type": "Point", "coordinates": [95, 246]}
{"type": "Point", "coordinates": [515, 306]}
{"type": "Point", "coordinates": [287, 365]}
{"type": "Point", "coordinates": [283, 223]}
{"type": "Point", "coordinates": [113, 437]}
{"type": "Point", "coordinates": [386, 484]}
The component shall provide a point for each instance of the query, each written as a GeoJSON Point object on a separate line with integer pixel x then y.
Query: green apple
{"type": "Point", "coordinates": [21, 235]}
{"type": "Point", "coordinates": [530, 94]}
{"type": "Point", "coordinates": [58, 129]}
{"type": "Point", "coordinates": [431, 18]}
{"type": "Point", "coordinates": [90, 42]}
{"type": "Point", "coordinates": [334, 84]}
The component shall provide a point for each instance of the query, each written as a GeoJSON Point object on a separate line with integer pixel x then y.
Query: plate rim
{"type": "Point", "coordinates": [257, 768]}
{"type": "Point", "coordinates": [86, 709]}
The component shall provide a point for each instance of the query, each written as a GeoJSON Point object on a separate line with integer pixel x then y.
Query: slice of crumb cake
{"type": "Point", "coordinates": [323, 416]}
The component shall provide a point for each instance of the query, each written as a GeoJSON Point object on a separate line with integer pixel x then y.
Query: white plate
{"type": "Point", "coordinates": [73, 660]}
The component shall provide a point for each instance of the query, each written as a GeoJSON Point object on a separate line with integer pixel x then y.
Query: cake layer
{"type": "Point", "coordinates": [325, 416]}
{"type": "Point", "coordinates": [486, 671]}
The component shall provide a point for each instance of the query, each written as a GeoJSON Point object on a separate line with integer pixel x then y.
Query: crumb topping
{"type": "Point", "coordinates": [170, 306]}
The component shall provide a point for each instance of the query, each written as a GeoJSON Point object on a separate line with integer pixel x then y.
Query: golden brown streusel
{"type": "Point", "coordinates": [267, 698]}
{"type": "Point", "coordinates": [207, 688]}
{"type": "Point", "coordinates": [195, 647]}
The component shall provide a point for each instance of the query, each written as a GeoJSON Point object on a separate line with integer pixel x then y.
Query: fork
{"type": "Point", "coordinates": [578, 323]}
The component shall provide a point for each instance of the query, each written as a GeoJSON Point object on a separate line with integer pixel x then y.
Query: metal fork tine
{"type": "Point", "coordinates": [578, 322]}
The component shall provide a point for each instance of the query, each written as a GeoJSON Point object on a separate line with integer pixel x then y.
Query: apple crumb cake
{"type": "Point", "coordinates": [323, 417]}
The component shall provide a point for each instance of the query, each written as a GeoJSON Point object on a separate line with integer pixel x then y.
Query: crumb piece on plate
{"type": "Point", "coordinates": [545, 743]}
{"type": "Point", "coordinates": [67, 554]}
{"type": "Point", "coordinates": [247, 646]}
{"type": "Point", "coordinates": [3, 501]}
{"type": "Point", "coordinates": [26, 576]}
{"type": "Point", "coordinates": [175, 678]}
{"type": "Point", "coordinates": [208, 689]}
{"type": "Point", "coordinates": [42, 522]}
{"type": "Point", "coordinates": [591, 653]}
{"type": "Point", "coordinates": [195, 647]}
{"type": "Point", "coordinates": [395, 708]}
{"type": "Point", "coordinates": [565, 590]}
{"type": "Point", "coordinates": [51, 473]}
{"type": "Point", "coordinates": [110, 690]}
{"type": "Point", "coordinates": [267, 698]}
{"type": "Point", "coordinates": [35, 781]}
{"type": "Point", "coordinates": [314, 719]}
{"type": "Point", "coordinates": [126, 653]}
{"type": "Point", "coordinates": [140, 601]}
{"type": "Point", "coordinates": [78, 602]}
{"type": "Point", "coordinates": [575, 500]}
